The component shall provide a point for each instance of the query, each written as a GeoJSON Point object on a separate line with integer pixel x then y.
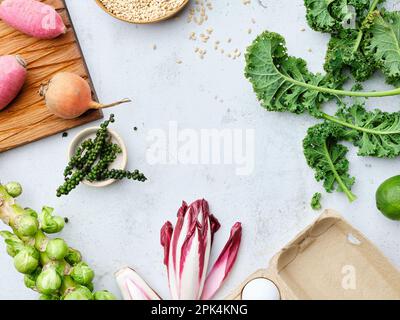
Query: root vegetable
{"type": "Point", "coordinates": [68, 96]}
{"type": "Point", "coordinates": [12, 78]}
{"type": "Point", "coordinates": [33, 18]}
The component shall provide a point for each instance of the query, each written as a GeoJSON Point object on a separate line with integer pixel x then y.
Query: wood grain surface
{"type": "Point", "coordinates": [26, 119]}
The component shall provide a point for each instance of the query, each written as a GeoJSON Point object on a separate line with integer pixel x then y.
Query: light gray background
{"type": "Point", "coordinates": [119, 225]}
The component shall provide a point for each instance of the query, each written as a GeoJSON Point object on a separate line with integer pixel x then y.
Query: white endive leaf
{"type": "Point", "coordinates": [133, 287]}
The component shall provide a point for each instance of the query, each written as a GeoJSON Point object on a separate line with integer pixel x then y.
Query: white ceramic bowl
{"type": "Point", "coordinates": [119, 163]}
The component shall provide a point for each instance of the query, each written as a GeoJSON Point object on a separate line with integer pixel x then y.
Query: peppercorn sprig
{"type": "Point", "coordinates": [92, 160]}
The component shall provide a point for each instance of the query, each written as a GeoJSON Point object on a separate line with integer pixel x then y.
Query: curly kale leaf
{"type": "Point", "coordinates": [375, 133]}
{"type": "Point", "coordinates": [342, 55]}
{"type": "Point", "coordinates": [319, 16]}
{"type": "Point", "coordinates": [384, 44]}
{"type": "Point", "coordinates": [371, 45]}
{"type": "Point", "coordinates": [316, 201]}
{"type": "Point", "coordinates": [328, 158]}
{"type": "Point", "coordinates": [331, 15]}
{"type": "Point", "coordinates": [283, 83]}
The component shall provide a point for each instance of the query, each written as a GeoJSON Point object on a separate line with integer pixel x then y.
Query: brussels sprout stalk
{"type": "Point", "coordinates": [49, 265]}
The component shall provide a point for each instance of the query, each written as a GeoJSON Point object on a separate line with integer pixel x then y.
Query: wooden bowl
{"type": "Point", "coordinates": [166, 17]}
{"type": "Point", "coordinates": [119, 163]}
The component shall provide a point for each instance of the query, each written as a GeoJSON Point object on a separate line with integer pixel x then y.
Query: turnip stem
{"type": "Point", "coordinates": [96, 105]}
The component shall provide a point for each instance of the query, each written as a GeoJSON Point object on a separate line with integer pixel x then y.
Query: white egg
{"type": "Point", "coordinates": [260, 289]}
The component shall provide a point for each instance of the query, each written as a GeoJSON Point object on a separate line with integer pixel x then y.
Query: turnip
{"type": "Point", "coordinates": [33, 18]}
{"type": "Point", "coordinates": [68, 96]}
{"type": "Point", "coordinates": [12, 78]}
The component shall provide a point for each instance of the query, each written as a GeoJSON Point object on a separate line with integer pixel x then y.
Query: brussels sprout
{"type": "Point", "coordinates": [80, 293]}
{"type": "Point", "coordinates": [82, 274]}
{"type": "Point", "coordinates": [48, 281]}
{"type": "Point", "coordinates": [56, 249]}
{"type": "Point", "coordinates": [57, 225]}
{"type": "Point", "coordinates": [25, 225]}
{"type": "Point", "coordinates": [27, 260]}
{"type": "Point", "coordinates": [73, 257]}
{"type": "Point", "coordinates": [48, 297]}
{"type": "Point", "coordinates": [31, 212]}
{"type": "Point", "coordinates": [30, 279]}
{"type": "Point", "coordinates": [104, 295]}
{"type": "Point", "coordinates": [50, 223]}
{"type": "Point", "coordinates": [14, 189]}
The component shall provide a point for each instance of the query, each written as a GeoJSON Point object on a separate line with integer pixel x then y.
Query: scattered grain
{"type": "Point", "coordinates": [192, 36]}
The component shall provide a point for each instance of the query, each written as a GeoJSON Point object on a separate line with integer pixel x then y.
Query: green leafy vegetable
{"type": "Point", "coordinates": [283, 83]}
{"type": "Point", "coordinates": [328, 158]}
{"type": "Point", "coordinates": [376, 133]}
{"type": "Point", "coordinates": [384, 44]}
{"type": "Point", "coordinates": [319, 16]}
{"type": "Point", "coordinates": [316, 201]}
{"type": "Point", "coordinates": [342, 54]}
{"type": "Point", "coordinates": [331, 15]}
{"type": "Point", "coordinates": [372, 45]}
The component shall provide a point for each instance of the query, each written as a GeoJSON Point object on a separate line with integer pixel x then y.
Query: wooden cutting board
{"type": "Point", "coordinates": [26, 119]}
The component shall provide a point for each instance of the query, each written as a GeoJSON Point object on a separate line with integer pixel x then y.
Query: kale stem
{"type": "Point", "coordinates": [339, 180]}
{"type": "Point", "coordinates": [370, 94]}
{"type": "Point", "coordinates": [358, 41]}
{"type": "Point", "coordinates": [358, 128]}
{"type": "Point", "coordinates": [361, 31]}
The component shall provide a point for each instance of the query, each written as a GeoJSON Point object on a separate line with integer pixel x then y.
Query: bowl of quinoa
{"type": "Point", "coordinates": [142, 11]}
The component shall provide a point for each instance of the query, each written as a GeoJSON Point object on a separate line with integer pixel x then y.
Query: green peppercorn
{"type": "Point", "coordinates": [92, 159]}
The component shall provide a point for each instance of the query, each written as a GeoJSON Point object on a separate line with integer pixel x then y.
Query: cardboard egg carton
{"type": "Point", "coordinates": [330, 260]}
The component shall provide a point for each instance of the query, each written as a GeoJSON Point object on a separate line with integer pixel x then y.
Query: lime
{"type": "Point", "coordinates": [388, 198]}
